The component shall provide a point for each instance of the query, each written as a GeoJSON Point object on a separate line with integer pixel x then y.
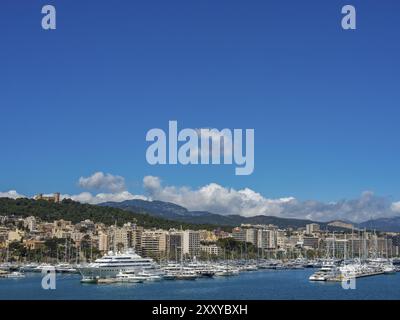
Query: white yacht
{"type": "Point", "coordinates": [44, 267]}
{"type": "Point", "coordinates": [226, 271]}
{"type": "Point", "coordinates": [201, 269]}
{"type": "Point", "coordinates": [30, 267]}
{"type": "Point", "coordinates": [179, 272]}
{"type": "Point", "coordinates": [150, 276]}
{"type": "Point", "coordinates": [65, 268]}
{"type": "Point", "coordinates": [112, 263]}
{"type": "Point", "coordinates": [328, 271]}
{"type": "Point", "coordinates": [129, 277]}
{"type": "Point", "coordinates": [15, 275]}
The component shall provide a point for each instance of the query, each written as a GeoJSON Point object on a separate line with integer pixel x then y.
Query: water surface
{"type": "Point", "coordinates": [263, 284]}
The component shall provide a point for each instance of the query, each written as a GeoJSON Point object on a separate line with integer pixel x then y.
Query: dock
{"type": "Point", "coordinates": [363, 275]}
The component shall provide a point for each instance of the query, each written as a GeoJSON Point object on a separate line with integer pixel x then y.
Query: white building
{"type": "Point", "coordinates": [30, 223]}
{"type": "Point", "coordinates": [191, 242]}
{"type": "Point", "coordinates": [266, 239]}
{"type": "Point", "coordinates": [211, 249]}
{"type": "Point", "coordinates": [104, 243]}
{"type": "Point", "coordinates": [311, 228]}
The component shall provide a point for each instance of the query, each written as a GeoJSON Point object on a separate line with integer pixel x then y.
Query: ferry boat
{"type": "Point", "coordinates": [112, 263]}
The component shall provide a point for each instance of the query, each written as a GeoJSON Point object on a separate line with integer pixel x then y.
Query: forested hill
{"type": "Point", "coordinates": [76, 212]}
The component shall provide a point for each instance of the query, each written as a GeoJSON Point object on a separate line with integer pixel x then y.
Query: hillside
{"type": "Point", "coordinates": [76, 212]}
{"type": "Point", "coordinates": [382, 224]}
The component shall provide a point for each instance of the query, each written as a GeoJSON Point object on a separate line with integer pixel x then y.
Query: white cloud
{"type": "Point", "coordinates": [247, 202]}
{"type": "Point", "coordinates": [215, 198]}
{"type": "Point", "coordinates": [101, 181]}
{"type": "Point", "coordinates": [222, 200]}
{"type": "Point", "coordinates": [87, 197]}
{"type": "Point", "coordinates": [151, 183]}
{"type": "Point", "coordinates": [396, 207]}
{"type": "Point", "coordinates": [13, 194]}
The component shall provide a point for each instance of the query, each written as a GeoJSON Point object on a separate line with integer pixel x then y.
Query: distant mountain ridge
{"type": "Point", "coordinates": [382, 224]}
{"type": "Point", "coordinates": [175, 212]}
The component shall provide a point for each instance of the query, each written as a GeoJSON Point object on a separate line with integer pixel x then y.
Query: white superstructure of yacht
{"type": "Point", "coordinates": [329, 270]}
{"type": "Point", "coordinates": [112, 263]}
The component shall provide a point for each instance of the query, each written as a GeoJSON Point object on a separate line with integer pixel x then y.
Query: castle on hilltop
{"type": "Point", "coordinates": [54, 198]}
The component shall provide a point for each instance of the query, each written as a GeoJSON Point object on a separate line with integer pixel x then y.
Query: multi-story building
{"type": "Point", "coordinates": [30, 223]}
{"type": "Point", "coordinates": [87, 225]}
{"type": "Point", "coordinates": [77, 237]}
{"type": "Point", "coordinates": [153, 243]}
{"type": "Point", "coordinates": [311, 242]}
{"type": "Point", "coordinates": [281, 239]}
{"type": "Point", "coordinates": [266, 239]}
{"type": "Point", "coordinates": [312, 227]}
{"type": "Point", "coordinates": [239, 234]}
{"type": "Point", "coordinates": [61, 234]}
{"type": "Point", "coordinates": [252, 235]}
{"type": "Point", "coordinates": [191, 243]}
{"type": "Point", "coordinates": [120, 239]}
{"type": "Point", "coordinates": [211, 250]}
{"type": "Point", "coordinates": [104, 243]}
{"type": "Point", "coordinates": [174, 244]}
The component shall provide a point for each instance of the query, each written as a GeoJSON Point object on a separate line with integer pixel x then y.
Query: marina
{"type": "Point", "coordinates": [130, 267]}
{"type": "Point", "coordinates": [262, 284]}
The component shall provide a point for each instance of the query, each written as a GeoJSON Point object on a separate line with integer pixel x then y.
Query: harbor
{"type": "Point", "coordinates": [129, 267]}
{"type": "Point", "coordinates": [265, 284]}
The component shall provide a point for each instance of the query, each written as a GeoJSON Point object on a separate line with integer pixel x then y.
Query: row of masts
{"type": "Point", "coordinates": [363, 250]}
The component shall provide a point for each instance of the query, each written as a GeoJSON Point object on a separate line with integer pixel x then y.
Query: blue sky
{"type": "Point", "coordinates": [323, 101]}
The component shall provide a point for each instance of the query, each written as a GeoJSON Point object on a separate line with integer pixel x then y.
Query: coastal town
{"type": "Point", "coordinates": [31, 239]}
{"type": "Point", "coordinates": [29, 243]}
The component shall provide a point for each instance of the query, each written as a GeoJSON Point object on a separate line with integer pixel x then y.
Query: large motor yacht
{"type": "Point", "coordinates": [112, 263]}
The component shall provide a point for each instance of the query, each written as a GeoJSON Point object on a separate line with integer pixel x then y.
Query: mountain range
{"type": "Point", "coordinates": [175, 212]}
{"type": "Point", "coordinates": [382, 224]}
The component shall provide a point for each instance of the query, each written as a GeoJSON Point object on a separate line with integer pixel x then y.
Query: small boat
{"type": "Point", "coordinates": [15, 275]}
{"type": "Point", "coordinates": [328, 271]}
{"type": "Point", "coordinates": [29, 267]}
{"type": "Point", "coordinates": [89, 280]}
{"type": "Point", "coordinates": [44, 267]}
{"type": "Point", "coordinates": [169, 276]}
{"type": "Point", "coordinates": [107, 280]}
{"type": "Point", "coordinates": [186, 275]}
{"type": "Point", "coordinates": [5, 266]}
{"type": "Point", "coordinates": [65, 268]}
{"type": "Point", "coordinates": [206, 273]}
{"type": "Point", "coordinates": [148, 276]}
{"type": "Point", "coordinates": [127, 277]}
{"type": "Point", "coordinates": [389, 269]}
{"type": "Point", "coordinates": [226, 272]}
